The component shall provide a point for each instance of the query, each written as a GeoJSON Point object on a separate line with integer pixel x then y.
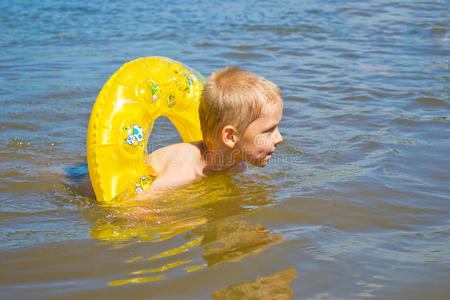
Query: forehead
{"type": "Point", "coordinates": [272, 110]}
{"type": "Point", "coordinates": [271, 114]}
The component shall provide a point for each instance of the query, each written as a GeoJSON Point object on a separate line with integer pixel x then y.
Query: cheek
{"type": "Point", "coordinates": [262, 141]}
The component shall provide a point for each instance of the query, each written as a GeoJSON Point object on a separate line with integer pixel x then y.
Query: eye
{"type": "Point", "coordinates": [270, 130]}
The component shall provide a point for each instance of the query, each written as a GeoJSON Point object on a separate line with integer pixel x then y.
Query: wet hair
{"type": "Point", "coordinates": [233, 96]}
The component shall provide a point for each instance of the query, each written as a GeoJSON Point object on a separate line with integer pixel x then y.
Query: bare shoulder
{"type": "Point", "coordinates": [176, 155]}
{"type": "Point", "coordinates": [174, 165]}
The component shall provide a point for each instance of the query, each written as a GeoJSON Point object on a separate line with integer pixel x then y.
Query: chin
{"type": "Point", "coordinates": [261, 163]}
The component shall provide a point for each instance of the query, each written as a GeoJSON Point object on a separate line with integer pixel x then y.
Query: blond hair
{"type": "Point", "coordinates": [233, 96]}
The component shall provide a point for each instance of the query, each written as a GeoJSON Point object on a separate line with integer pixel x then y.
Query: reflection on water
{"type": "Point", "coordinates": [197, 210]}
{"type": "Point", "coordinates": [181, 210]}
{"type": "Point", "coordinates": [223, 242]}
{"type": "Point", "coordinates": [127, 232]}
{"type": "Point", "coordinates": [275, 286]}
{"type": "Point", "coordinates": [232, 241]}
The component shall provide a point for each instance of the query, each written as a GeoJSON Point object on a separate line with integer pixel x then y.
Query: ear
{"type": "Point", "coordinates": [229, 136]}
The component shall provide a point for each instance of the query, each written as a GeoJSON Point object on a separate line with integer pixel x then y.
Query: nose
{"type": "Point", "coordinates": [278, 137]}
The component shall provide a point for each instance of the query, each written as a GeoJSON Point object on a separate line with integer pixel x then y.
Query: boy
{"type": "Point", "coordinates": [239, 116]}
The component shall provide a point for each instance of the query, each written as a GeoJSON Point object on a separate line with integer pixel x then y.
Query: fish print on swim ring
{"type": "Point", "coordinates": [135, 135]}
{"type": "Point", "coordinates": [144, 183]}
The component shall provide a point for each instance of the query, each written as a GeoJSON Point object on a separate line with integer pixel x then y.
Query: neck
{"type": "Point", "coordinates": [217, 160]}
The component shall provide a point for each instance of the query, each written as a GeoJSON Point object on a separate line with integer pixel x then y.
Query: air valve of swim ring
{"type": "Point", "coordinates": [122, 119]}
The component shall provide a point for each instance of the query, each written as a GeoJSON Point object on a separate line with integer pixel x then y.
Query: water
{"type": "Point", "coordinates": [354, 204]}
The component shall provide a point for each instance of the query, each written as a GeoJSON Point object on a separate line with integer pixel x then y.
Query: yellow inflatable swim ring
{"type": "Point", "coordinates": [122, 119]}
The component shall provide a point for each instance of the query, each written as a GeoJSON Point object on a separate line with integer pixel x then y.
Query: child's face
{"type": "Point", "coordinates": [261, 136]}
